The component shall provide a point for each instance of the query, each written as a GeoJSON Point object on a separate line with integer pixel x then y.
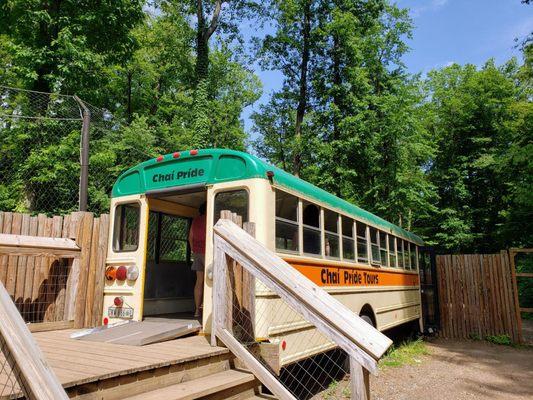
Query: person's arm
{"type": "Point", "coordinates": [190, 234]}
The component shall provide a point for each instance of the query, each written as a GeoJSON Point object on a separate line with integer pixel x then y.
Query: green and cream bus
{"type": "Point", "coordinates": [367, 263]}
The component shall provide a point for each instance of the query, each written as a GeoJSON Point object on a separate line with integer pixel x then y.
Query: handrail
{"type": "Point", "coordinates": [364, 344]}
{"type": "Point", "coordinates": [35, 377]}
{"type": "Point", "coordinates": [38, 245]}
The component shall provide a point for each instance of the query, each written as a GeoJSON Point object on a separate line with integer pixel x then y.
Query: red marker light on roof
{"type": "Point", "coordinates": [284, 345]}
{"type": "Point", "coordinates": [160, 158]}
{"type": "Point", "coordinates": [176, 154]}
{"type": "Point", "coordinates": [193, 152]}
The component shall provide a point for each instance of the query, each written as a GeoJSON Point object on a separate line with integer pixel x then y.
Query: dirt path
{"type": "Point", "coordinates": [460, 370]}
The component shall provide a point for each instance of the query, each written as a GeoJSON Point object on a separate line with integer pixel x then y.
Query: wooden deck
{"type": "Point", "coordinates": [77, 362]}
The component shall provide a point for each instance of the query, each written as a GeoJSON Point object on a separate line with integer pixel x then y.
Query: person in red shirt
{"type": "Point", "coordinates": [197, 243]}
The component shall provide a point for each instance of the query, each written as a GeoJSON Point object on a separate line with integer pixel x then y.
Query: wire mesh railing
{"type": "Point", "coordinates": [297, 339]}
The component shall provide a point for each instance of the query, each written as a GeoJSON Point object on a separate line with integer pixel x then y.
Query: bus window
{"type": "Point", "coordinates": [362, 242]}
{"type": "Point", "coordinates": [412, 252]}
{"type": "Point", "coordinates": [348, 245]}
{"type": "Point", "coordinates": [126, 227]}
{"type": "Point", "coordinates": [399, 243]}
{"type": "Point", "coordinates": [383, 249]}
{"type": "Point", "coordinates": [331, 233]}
{"type": "Point", "coordinates": [374, 241]}
{"type": "Point", "coordinates": [235, 200]}
{"type": "Point", "coordinates": [286, 222]}
{"type": "Point", "coordinates": [392, 251]}
{"type": "Point", "coordinates": [406, 254]}
{"type": "Point", "coordinates": [311, 228]}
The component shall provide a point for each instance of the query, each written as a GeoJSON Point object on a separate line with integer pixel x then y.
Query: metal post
{"type": "Point", "coordinates": [84, 154]}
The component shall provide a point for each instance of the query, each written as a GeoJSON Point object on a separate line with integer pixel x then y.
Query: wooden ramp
{"type": "Point", "coordinates": [141, 333]}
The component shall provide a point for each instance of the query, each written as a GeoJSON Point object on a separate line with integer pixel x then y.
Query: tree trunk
{"type": "Point", "coordinates": [302, 98]}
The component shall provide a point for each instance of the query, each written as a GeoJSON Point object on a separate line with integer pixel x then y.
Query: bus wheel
{"type": "Point", "coordinates": [367, 319]}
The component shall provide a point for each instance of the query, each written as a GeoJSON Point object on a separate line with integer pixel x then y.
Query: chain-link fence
{"type": "Point", "coordinates": [58, 153]}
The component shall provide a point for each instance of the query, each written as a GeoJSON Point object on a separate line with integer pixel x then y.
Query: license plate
{"type": "Point", "coordinates": [120, 312]}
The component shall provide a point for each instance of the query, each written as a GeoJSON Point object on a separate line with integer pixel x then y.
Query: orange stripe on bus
{"type": "Point", "coordinates": [324, 275]}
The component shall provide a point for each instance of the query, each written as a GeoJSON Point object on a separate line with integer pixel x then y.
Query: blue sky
{"type": "Point", "coordinates": [446, 31]}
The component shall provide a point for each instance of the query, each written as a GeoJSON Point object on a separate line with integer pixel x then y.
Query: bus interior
{"type": "Point", "coordinates": [169, 280]}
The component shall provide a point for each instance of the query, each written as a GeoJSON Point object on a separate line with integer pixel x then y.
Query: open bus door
{"type": "Point", "coordinates": [429, 289]}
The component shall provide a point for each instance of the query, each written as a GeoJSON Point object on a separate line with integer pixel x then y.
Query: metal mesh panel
{"type": "Point", "coordinates": [283, 341]}
{"type": "Point", "coordinates": [40, 152]}
{"type": "Point", "coordinates": [174, 233]}
{"type": "Point", "coordinates": [11, 386]}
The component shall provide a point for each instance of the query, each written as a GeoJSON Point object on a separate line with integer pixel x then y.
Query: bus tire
{"type": "Point", "coordinates": [367, 319]}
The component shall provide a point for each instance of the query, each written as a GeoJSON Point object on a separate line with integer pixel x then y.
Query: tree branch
{"type": "Point", "coordinates": [214, 20]}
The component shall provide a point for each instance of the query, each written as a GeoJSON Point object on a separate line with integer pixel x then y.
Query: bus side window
{"type": "Point", "coordinates": [235, 201]}
{"type": "Point", "coordinates": [412, 252]}
{"type": "Point", "coordinates": [383, 249]}
{"type": "Point", "coordinates": [311, 228]}
{"type": "Point", "coordinates": [286, 222]}
{"type": "Point", "coordinates": [392, 251]}
{"type": "Point", "coordinates": [406, 254]}
{"type": "Point", "coordinates": [374, 241]}
{"type": "Point", "coordinates": [331, 233]}
{"type": "Point", "coordinates": [362, 242]}
{"type": "Point", "coordinates": [126, 227]}
{"type": "Point", "coordinates": [348, 244]}
{"type": "Point", "coordinates": [399, 243]}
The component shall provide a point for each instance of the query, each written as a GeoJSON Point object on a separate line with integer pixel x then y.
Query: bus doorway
{"type": "Point", "coordinates": [169, 280]}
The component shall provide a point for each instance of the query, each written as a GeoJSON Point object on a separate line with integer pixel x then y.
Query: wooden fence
{"type": "Point", "coordinates": [477, 296]}
{"type": "Point", "coordinates": [51, 293]}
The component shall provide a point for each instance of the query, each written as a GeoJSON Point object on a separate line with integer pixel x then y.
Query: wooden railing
{"type": "Point", "coordinates": [362, 343]}
{"type": "Point", "coordinates": [23, 366]}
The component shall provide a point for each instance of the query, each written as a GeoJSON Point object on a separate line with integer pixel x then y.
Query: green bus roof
{"type": "Point", "coordinates": [210, 166]}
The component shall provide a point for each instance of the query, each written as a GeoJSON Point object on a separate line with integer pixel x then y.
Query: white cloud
{"type": "Point", "coordinates": [432, 5]}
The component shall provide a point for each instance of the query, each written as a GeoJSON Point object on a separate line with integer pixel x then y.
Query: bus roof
{"type": "Point", "coordinates": [210, 166]}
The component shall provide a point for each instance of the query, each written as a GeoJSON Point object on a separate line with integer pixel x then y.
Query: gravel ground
{"type": "Point", "coordinates": [460, 370]}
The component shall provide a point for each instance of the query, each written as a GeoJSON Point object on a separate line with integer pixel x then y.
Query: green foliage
{"type": "Point", "coordinates": [407, 353]}
{"type": "Point", "coordinates": [503, 340]}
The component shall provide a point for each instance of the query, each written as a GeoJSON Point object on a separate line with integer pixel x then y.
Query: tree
{"type": "Point", "coordinates": [480, 121]}
{"type": "Point", "coordinates": [63, 45]}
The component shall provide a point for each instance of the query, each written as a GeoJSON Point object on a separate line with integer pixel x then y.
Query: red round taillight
{"type": "Point", "coordinates": [283, 345]}
{"type": "Point", "coordinates": [122, 273]}
{"type": "Point", "coordinates": [106, 321]}
{"type": "Point", "coordinates": [193, 152]}
{"type": "Point", "coordinates": [110, 273]}
{"type": "Point", "coordinates": [118, 302]}
{"type": "Point", "coordinates": [176, 154]}
{"type": "Point", "coordinates": [159, 159]}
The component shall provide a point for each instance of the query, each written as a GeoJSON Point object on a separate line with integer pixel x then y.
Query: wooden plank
{"type": "Point", "coordinates": [359, 381]}
{"type": "Point", "coordinates": [36, 242]}
{"type": "Point", "coordinates": [6, 228]}
{"type": "Point", "coordinates": [506, 273]}
{"type": "Point", "coordinates": [83, 240]}
{"type": "Point", "coordinates": [498, 291]}
{"type": "Point", "coordinates": [253, 255]}
{"type": "Point", "coordinates": [464, 295]}
{"type": "Point", "coordinates": [50, 326]}
{"type": "Point", "coordinates": [476, 285]}
{"type": "Point", "coordinates": [30, 271]}
{"type": "Point", "coordinates": [496, 327]}
{"type": "Point", "coordinates": [56, 273]}
{"type": "Point", "coordinates": [12, 260]}
{"type": "Point", "coordinates": [254, 365]}
{"type": "Point", "coordinates": [100, 270]}
{"type": "Point", "coordinates": [93, 256]}
{"type": "Point", "coordinates": [524, 274]}
{"type": "Point", "coordinates": [518, 317]}
{"type": "Point", "coordinates": [220, 284]}
{"type": "Point", "coordinates": [21, 267]}
{"type": "Point", "coordinates": [501, 295]}
{"type": "Point", "coordinates": [39, 380]}
{"type": "Point", "coordinates": [248, 292]}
